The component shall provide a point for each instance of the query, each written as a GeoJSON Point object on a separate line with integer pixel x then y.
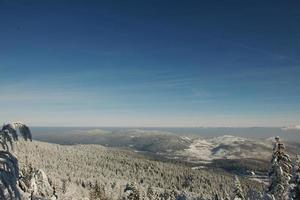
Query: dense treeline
{"type": "Point", "coordinates": [84, 165]}
{"type": "Point", "coordinates": [242, 166]}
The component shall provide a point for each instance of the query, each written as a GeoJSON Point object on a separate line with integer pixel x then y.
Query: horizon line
{"type": "Point", "coordinates": [53, 126]}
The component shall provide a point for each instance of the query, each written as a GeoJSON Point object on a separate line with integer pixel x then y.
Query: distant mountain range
{"type": "Point", "coordinates": [189, 148]}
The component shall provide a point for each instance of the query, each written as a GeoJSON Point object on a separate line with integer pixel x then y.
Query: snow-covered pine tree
{"type": "Point", "coordinates": [9, 169]}
{"type": "Point", "coordinates": [226, 196]}
{"type": "Point", "coordinates": [217, 197]}
{"type": "Point", "coordinates": [279, 173]}
{"type": "Point", "coordinates": [268, 197]}
{"type": "Point", "coordinates": [132, 192]}
{"type": "Point", "coordinates": [97, 192]}
{"type": "Point", "coordinates": [295, 188]}
{"type": "Point", "coordinates": [238, 193]}
{"type": "Point", "coordinates": [151, 193]}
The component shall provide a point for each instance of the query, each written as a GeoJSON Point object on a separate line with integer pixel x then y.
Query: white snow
{"type": "Point", "coordinates": [227, 146]}
{"type": "Point", "coordinates": [293, 127]}
{"type": "Point", "coordinates": [186, 138]}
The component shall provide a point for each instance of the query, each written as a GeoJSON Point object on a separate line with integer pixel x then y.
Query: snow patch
{"type": "Point", "coordinates": [293, 127]}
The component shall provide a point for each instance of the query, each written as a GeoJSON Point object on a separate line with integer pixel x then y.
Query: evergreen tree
{"type": "Point", "coordinates": [133, 192]}
{"type": "Point", "coordinates": [9, 166]}
{"type": "Point", "coordinates": [238, 191]}
{"type": "Point", "coordinates": [97, 193]}
{"type": "Point", "coordinates": [280, 172]}
{"type": "Point", "coordinates": [151, 193]}
{"type": "Point", "coordinates": [226, 196]}
{"type": "Point", "coordinates": [217, 197]}
{"type": "Point", "coordinates": [295, 189]}
{"type": "Point", "coordinates": [269, 197]}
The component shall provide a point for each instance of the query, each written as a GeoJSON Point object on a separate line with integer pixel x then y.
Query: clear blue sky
{"type": "Point", "coordinates": [150, 63]}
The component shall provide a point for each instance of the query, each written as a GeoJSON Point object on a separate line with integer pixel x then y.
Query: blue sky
{"type": "Point", "coordinates": [150, 63]}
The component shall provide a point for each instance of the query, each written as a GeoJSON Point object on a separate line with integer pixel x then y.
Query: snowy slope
{"type": "Point", "coordinates": [226, 147]}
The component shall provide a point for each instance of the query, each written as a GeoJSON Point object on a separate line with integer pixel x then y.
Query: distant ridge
{"type": "Point", "coordinates": [292, 127]}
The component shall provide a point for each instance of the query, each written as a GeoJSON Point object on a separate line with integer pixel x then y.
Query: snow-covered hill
{"type": "Point", "coordinates": [293, 127]}
{"type": "Point", "coordinates": [226, 147]}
